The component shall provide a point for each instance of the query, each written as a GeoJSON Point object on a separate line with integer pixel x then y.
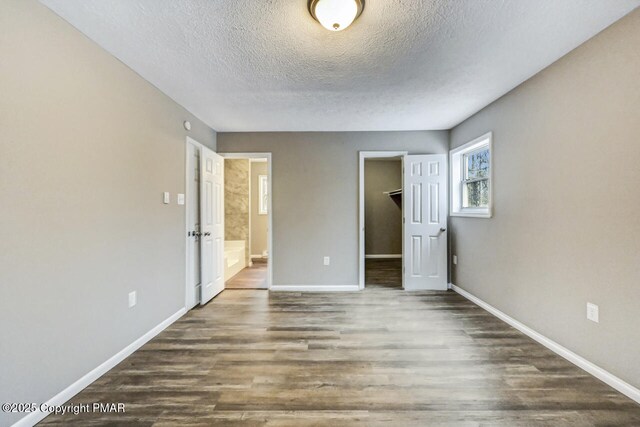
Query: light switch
{"type": "Point", "coordinates": [593, 312]}
{"type": "Point", "coordinates": [327, 260]}
{"type": "Point", "coordinates": [167, 198]}
{"type": "Point", "coordinates": [181, 199]}
{"type": "Point", "coordinates": [133, 300]}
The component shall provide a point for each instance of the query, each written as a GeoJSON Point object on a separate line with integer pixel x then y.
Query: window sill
{"type": "Point", "coordinates": [477, 214]}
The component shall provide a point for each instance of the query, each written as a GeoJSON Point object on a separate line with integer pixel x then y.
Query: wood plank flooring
{"type": "Point", "coordinates": [377, 357]}
{"type": "Point", "coordinates": [383, 272]}
{"type": "Point", "coordinates": [254, 277]}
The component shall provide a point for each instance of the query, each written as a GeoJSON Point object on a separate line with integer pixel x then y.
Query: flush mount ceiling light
{"type": "Point", "coordinates": [336, 15]}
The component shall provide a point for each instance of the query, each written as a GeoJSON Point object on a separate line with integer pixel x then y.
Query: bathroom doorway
{"type": "Point", "coordinates": [247, 210]}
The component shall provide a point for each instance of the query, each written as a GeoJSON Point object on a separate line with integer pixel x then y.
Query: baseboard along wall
{"type": "Point", "coordinates": [603, 375]}
{"type": "Point", "coordinates": [59, 399]}
{"type": "Point", "coordinates": [384, 256]}
{"type": "Point", "coordinates": [315, 288]}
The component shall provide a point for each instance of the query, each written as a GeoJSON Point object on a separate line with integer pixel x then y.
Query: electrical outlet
{"type": "Point", "coordinates": [593, 312]}
{"type": "Point", "coordinates": [133, 299]}
{"type": "Point", "coordinates": [166, 198]}
{"type": "Point", "coordinates": [327, 260]}
{"type": "Point", "coordinates": [455, 260]}
{"type": "Point", "coordinates": [180, 199]}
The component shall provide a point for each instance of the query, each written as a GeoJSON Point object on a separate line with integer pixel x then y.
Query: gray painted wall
{"type": "Point", "coordinates": [259, 223]}
{"type": "Point", "coordinates": [566, 228]}
{"type": "Point", "coordinates": [382, 216]}
{"type": "Point", "coordinates": [315, 196]}
{"type": "Point", "coordinates": [86, 149]}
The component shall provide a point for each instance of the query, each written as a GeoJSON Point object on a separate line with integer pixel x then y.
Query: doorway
{"type": "Point", "coordinates": [248, 249]}
{"type": "Point", "coordinates": [388, 181]}
{"type": "Point", "coordinates": [383, 222]}
{"type": "Point", "coordinates": [423, 201]}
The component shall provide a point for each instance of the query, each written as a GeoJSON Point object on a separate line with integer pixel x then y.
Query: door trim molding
{"type": "Point", "coordinates": [362, 155]}
{"type": "Point", "coordinates": [266, 155]}
{"type": "Point", "coordinates": [315, 288]}
{"type": "Point", "coordinates": [79, 385]}
{"type": "Point", "coordinates": [603, 375]}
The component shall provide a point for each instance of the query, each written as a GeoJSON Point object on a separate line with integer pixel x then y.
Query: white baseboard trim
{"type": "Point", "coordinates": [314, 288]}
{"type": "Point", "coordinates": [420, 289]}
{"type": "Point", "coordinates": [387, 256]}
{"type": "Point", "coordinates": [59, 399]}
{"type": "Point", "coordinates": [604, 376]}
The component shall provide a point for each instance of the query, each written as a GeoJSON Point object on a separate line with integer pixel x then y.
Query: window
{"type": "Point", "coordinates": [264, 195]}
{"type": "Point", "coordinates": [471, 178]}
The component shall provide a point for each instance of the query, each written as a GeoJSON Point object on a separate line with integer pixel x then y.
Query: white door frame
{"type": "Point", "coordinates": [363, 155]}
{"type": "Point", "coordinates": [270, 206]}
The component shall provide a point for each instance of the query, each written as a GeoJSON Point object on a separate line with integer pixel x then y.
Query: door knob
{"type": "Point", "coordinates": [442, 230]}
{"type": "Point", "coordinates": [207, 234]}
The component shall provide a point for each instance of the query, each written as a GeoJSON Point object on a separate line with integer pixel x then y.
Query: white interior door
{"type": "Point", "coordinates": [193, 225]}
{"type": "Point", "coordinates": [211, 224]}
{"type": "Point", "coordinates": [425, 222]}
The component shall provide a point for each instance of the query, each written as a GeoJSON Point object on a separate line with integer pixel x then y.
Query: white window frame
{"type": "Point", "coordinates": [456, 160]}
{"type": "Point", "coordinates": [263, 188]}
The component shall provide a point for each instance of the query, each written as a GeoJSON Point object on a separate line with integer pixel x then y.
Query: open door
{"type": "Point", "coordinates": [425, 222]}
{"type": "Point", "coordinates": [211, 224]}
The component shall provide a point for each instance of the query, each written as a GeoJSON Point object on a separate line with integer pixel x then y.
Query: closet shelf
{"type": "Point", "coordinates": [394, 193]}
{"type": "Point", "coordinates": [396, 196]}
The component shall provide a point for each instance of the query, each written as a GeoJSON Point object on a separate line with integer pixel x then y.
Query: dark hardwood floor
{"type": "Point", "coordinates": [254, 277]}
{"type": "Point", "coordinates": [383, 273]}
{"type": "Point", "coordinates": [378, 357]}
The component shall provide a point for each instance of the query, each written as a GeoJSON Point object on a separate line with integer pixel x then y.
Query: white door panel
{"type": "Point", "coordinates": [425, 210]}
{"type": "Point", "coordinates": [193, 225]}
{"type": "Point", "coordinates": [212, 225]}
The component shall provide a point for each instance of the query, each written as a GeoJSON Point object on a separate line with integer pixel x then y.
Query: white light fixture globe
{"type": "Point", "coordinates": [336, 15]}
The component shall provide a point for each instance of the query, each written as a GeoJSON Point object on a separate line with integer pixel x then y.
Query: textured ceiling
{"type": "Point", "coordinates": [247, 65]}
